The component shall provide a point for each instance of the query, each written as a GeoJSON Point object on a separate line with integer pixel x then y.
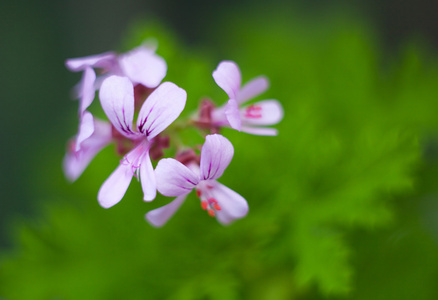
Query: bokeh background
{"type": "Point", "coordinates": [343, 203]}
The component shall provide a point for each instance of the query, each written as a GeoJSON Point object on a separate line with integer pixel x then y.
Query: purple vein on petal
{"type": "Point", "coordinates": [209, 170]}
{"type": "Point", "coordinates": [124, 120]}
{"type": "Point", "coordinates": [185, 188]}
{"type": "Point", "coordinates": [143, 121]}
{"type": "Point", "coordinates": [121, 126]}
{"type": "Point", "coordinates": [188, 180]}
{"type": "Point", "coordinates": [153, 121]}
{"type": "Point", "coordinates": [217, 169]}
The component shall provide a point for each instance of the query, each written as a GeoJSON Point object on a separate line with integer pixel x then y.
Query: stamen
{"type": "Point", "coordinates": [204, 205]}
{"type": "Point", "coordinates": [208, 203]}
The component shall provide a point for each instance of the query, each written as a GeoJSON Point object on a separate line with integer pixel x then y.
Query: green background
{"type": "Point", "coordinates": [343, 203]}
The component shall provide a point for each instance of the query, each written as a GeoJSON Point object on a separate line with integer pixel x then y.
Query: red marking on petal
{"type": "Point", "coordinates": [216, 206]}
{"type": "Point", "coordinates": [253, 111]}
{"type": "Point", "coordinates": [198, 193]}
{"type": "Point", "coordinates": [211, 213]}
{"type": "Point", "coordinates": [204, 205]}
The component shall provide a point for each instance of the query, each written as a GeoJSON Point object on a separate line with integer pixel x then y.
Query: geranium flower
{"type": "Point", "coordinates": [177, 179]}
{"type": "Point", "coordinates": [159, 110]}
{"type": "Point", "coordinates": [141, 65]}
{"type": "Point", "coordinates": [251, 118]}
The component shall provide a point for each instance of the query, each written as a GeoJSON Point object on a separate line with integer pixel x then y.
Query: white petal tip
{"type": "Point", "coordinates": [71, 178]}
{"type": "Point", "coordinates": [148, 199]}
{"type": "Point", "coordinates": [153, 221]}
{"type": "Point", "coordinates": [105, 205]}
{"type": "Point", "coordinates": [105, 201]}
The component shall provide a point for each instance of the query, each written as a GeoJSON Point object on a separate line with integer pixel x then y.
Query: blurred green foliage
{"type": "Point", "coordinates": [337, 200]}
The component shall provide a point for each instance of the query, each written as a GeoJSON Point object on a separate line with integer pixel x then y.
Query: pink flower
{"type": "Point", "coordinates": [176, 179]}
{"type": "Point", "coordinates": [250, 118]}
{"type": "Point", "coordinates": [159, 110]}
{"type": "Point", "coordinates": [141, 65]}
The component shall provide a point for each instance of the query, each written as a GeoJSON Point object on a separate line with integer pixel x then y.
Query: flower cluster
{"type": "Point", "coordinates": [129, 85]}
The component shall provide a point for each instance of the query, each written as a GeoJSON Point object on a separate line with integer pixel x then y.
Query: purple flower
{"type": "Point", "coordinates": [249, 118]}
{"type": "Point", "coordinates": [176, 179]}
{"type": "Point", "coordinates": [104, 61]}
{"type": "Point", "coordinates": [141, 65]}
{"type": "Point", "coordinates": [159, 110]}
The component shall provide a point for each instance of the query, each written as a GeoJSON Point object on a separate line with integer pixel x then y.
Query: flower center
{"type": "Point", "coordinates": [135, 156]}
{"type": "Point", "coordinates": [208, 203]}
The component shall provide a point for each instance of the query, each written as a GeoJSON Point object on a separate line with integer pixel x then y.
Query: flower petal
{"type": "Point", "coordinates": [143, 66]}
{"type": "Point", "coordinates": [86, 129]}
{"type": "Point", "coordinates": [104, 60]}
{"type": "Point", "coordinates": [117, 100]}
{"type": "Point", "coordinates": [260, 130]}
{"type": "Point", "coordinates": [233, 206]}
{"type": "Point", "coordinates": [174, 178]}
{"type": "Point", "coordinates": [158, 217]}
{"type": "Point", "coordinates": [227, 76]}
{"type": "Point", "coordinates": [233, 115]}
{"type": "Point", "coordinates": [160, 109]}
{"type": "Point", "coordinates": [218, 117]}
{"type": "Point", "coordinates": [266, 112]}
{"type": "Point", "coordinates": [75, 162]}
{"type": "Point", "coordinates": [252, 89]}
{"type": "Point", "coordinates": [216, 155]}
{"type": "Point", "coordinates": [147, 178]}
{"type": "Point", "coordinates": [87, 90]}
{"type": "Point", "coordinates": [114, 188]}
